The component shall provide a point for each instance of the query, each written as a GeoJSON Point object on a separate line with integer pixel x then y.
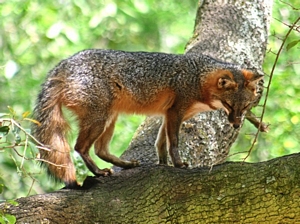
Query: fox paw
{"type": "Point", "coordinates": [129, 164]}
{"type": "Point", "coordinates": [185, 164]}
{"type": "Point", "coordinates": [181, 165]}
{"type": "Point", "coordinates": [104, 172]}
{"type": "Point", "coordinates": [134, 163]}
{"type": "Point", "coordinates": [72, 185]}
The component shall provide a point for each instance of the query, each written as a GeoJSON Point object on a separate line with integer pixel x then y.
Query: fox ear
{"type": "Point", "coordinates": [226, 83]}
{"type": "Point", "coordinates": [251, 80]}
{"type": "Point", "coordinates": [252, 76]}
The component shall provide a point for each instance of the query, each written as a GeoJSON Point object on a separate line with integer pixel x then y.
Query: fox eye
{"type": "Point", "coordinates": [227, 106]}
{"type": "Point", "coordinates": [246, 107]}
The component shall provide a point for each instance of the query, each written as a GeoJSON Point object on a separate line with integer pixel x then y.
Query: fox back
{"type": "Point", "coordinates": [97, 85]}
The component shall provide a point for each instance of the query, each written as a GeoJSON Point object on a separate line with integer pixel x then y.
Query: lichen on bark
{"type": "Point", "coordinates": [265, 192]}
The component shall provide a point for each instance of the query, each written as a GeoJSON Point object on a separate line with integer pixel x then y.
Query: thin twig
{"type": "Point", "coordinates": [19, 126]}
{"type": "Point", "coordinates": [31, 186]}
{"type": "Point", "coordinates": [41, 145]}
{"type": "Point", "coordinates": [20, 155]}
{"type": "Point", "coordinates": [288, 25]}
{"type": "Point", "coordinates": [290, 5]}
{"type": "Point", "coordinates": [8, 146]}
{"type": "Point", "coordinates": [46, 161]}
{"type": "Point", "coordinates": [236, 153]}
{"type": "Point", "coordinates": [24, 151]}
{"type": "Point", "coordinates": [269, 84]}
{"type": "Point", "coordinates": [43, 148]}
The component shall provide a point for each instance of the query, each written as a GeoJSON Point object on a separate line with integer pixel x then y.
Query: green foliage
{"type": "Point", "coordinates": [7, 218]}
{"type": "Point", "coordinates": [19, 151]}
{"type": "Point", "coordinates": [36, 35]}
{"type": "Point", "coordinates": [292, 44]}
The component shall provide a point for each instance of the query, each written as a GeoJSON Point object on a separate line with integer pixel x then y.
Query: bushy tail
{"type": "Point", "coordinates": [52, 131]}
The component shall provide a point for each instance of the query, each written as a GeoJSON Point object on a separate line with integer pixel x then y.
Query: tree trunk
{"type": "Point", "coordinates": [267, 192]}
{"type": "Point", "coordinates": [234, 31]}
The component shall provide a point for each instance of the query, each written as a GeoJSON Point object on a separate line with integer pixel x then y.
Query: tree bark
{"type": "Point", "coordinates": [232, 192]}
{"type": "Point", "coordinates": [234, 31]}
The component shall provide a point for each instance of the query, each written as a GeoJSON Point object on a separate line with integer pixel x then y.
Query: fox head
{"type": "Point", "coordinates": [233, 90]}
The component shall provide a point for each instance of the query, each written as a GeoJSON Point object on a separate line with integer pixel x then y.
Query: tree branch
{"type": "Point", "coordinates": [233, 192]}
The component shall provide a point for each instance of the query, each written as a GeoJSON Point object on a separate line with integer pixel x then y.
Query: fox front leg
{"type": "Point", "coordinates": [161, 145]}
{"type": "Point", "coordinates": [173, 123]}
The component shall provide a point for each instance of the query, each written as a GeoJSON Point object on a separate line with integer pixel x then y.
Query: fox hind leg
{"type": "Point", "coordinates": [102, 147]}
{"type": "Point", "coordinates": [89, 132]}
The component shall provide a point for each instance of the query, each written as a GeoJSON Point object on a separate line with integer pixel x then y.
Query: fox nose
{"type": "Point", "coordinates": [236, 126]}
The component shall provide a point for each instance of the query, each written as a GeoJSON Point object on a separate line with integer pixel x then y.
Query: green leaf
{"type": "Point", "coordinates": [33, 121]}
{"type": "Point", "coordinates": [2, 221]}
{"type": "Point", "coordinates": [17, 139]}
{"type": "Point", "coordinates": [4, 129]}
{"type": "Point", "coordinates": [292, 44]}
{"type": "Point", "coordinates": [26, 114]}
{"type": "Point", "coordinates": [12, 202]}
{"type": "Point", "coordinates": [16, 129]}
{"type": "Point", "coordinates": [10, 219]}
{"type": "Point", "coordinates": [11, 111]}
{"type": "Point", "coordinates": [3, 114]}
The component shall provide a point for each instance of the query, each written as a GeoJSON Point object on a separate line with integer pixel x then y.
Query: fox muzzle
{"type": "Point", "coordinates": [235, 120]}
{"type": "Point", "coordinates": [236, 126]}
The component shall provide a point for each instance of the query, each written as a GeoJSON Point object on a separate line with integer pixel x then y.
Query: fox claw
{"type": "Point", "coordinates": [72, 185]}
{"type": "Point", "coordinates": [181, 165]}
{"type": "Point", "coordinates": [133, 163]}
{"type": "Point", "coordinates": [104, 172]}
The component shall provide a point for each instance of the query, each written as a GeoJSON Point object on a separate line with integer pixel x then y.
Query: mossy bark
{"type": "Point", "coordinates": [267, 192]}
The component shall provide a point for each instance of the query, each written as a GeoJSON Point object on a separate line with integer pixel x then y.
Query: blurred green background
{"type": "Point", "coordinates": [36, 35]}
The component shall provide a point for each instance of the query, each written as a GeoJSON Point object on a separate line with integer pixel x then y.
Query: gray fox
{"type": "Point", "coordinates": [97, 85]}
